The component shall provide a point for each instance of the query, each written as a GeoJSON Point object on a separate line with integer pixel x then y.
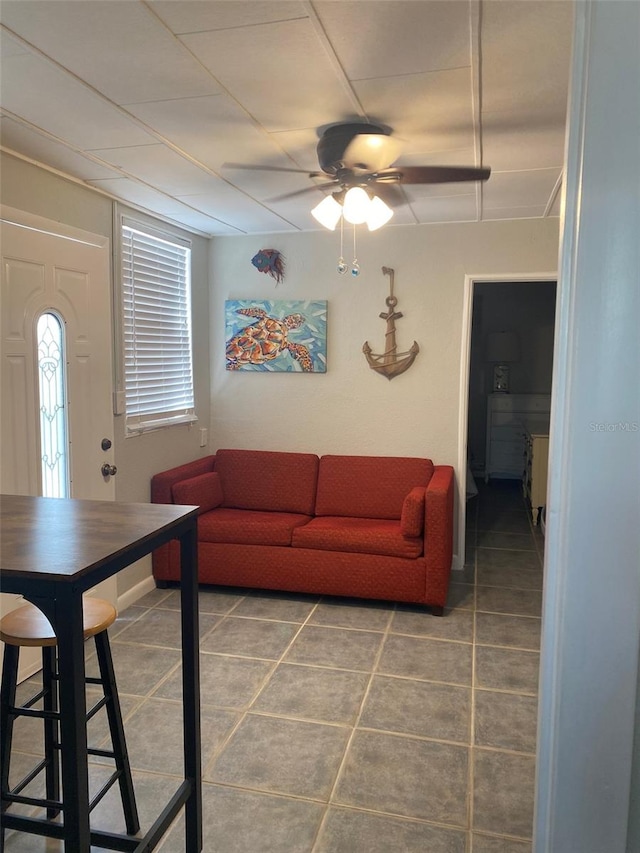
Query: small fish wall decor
{"type": "Point", "coordinates": [270, 261]}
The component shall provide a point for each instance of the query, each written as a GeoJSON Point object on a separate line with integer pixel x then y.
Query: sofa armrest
{"type": "Point", "coordinates": [204, 491]}
{"type": "Point", "coordinates": [438, 527]}
{"type": "Point", "coordinates": [162, 484]}
{"type": "Point", "coordinates": [412, 518]}
{"type": "Point", "coordinates": [166, 558]}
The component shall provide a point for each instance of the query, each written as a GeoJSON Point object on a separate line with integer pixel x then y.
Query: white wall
{"type": "Point", "coordinates": [351, 409]}
{"type": "Point", "coordinates": [588, 785]}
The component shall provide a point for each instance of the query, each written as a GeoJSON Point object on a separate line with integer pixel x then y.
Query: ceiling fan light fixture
{"type": "Point", "coordinates": [379, 214]}
{"type": "Point", "coordinates": [356, 206]}
{"type": "Point", "coordinates": [327, 212]}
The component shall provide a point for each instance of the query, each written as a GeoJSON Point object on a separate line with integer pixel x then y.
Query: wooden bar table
{"type": "Point", "coordinates": [51, 551]}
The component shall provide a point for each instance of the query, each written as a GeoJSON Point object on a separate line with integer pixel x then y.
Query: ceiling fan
{"type": "Point", "coordinates": [359, 156]}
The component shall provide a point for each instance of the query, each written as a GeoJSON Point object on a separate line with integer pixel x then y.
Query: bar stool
{"type": "Point", "coordinates": [28, 626]}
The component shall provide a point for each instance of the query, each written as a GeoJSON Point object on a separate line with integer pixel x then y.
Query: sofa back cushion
{"type": "Point", "coordinates": [368, 486]}
{"type": "Point", "coordinates": [268, 480]}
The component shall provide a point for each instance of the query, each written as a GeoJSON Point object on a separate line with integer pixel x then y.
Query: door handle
{"type": "Point", "coordinates": [108, 470]}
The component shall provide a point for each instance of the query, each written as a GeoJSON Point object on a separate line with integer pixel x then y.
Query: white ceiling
{"type": "Point", "coordinates": [148, 100]}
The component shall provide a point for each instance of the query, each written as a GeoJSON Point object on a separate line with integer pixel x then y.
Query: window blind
{"type": "Point", "coordinates": [156, 295]}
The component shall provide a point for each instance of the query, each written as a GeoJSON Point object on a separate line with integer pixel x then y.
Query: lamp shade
{"type": "Point", "coordinates": [379, 214]}
{"type": "Point", "coordinates": [356, 206]}
{"type": "Point", "coordinates": [502, 347]}
{"type": "Point", "coordinates": [328, 212]}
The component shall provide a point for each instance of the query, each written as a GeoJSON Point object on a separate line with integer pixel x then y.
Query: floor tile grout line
{"type": "Point", "coordinates": [226, 740]}
{"type": "Point", "coordinates": [358, 716]}
{"type": "Point", "coordinates": [471, 754]}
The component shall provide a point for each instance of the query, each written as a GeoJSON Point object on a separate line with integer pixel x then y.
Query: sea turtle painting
{"type": "Point", "coordinates": [266, 344]}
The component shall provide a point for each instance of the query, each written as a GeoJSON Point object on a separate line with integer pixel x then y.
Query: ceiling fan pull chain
{"type": "Point", "coordinates": [342, 267]}
{"type": "Point", "coordinates": [355, 266]}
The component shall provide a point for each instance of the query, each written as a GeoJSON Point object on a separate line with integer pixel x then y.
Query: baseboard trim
{"type": "Point", "coordinates": [136, 593]}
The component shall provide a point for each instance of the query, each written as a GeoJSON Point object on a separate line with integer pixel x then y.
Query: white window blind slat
{"type": "Point", "coordinates": [158, 372]}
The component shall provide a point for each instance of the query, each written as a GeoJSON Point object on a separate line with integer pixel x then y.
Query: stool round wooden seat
{"type": "Point", "coordinates": [28, 626]}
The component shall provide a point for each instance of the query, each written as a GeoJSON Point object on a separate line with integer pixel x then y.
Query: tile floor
{"type": "Point", "coordinates": [333, 726]}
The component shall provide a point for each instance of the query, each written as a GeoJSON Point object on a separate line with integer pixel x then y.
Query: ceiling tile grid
{"type": "Point", "coordinates": [158, 102]}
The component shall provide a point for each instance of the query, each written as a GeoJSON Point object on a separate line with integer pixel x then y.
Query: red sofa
{"type": "Point", "coordinates": [361, 526]}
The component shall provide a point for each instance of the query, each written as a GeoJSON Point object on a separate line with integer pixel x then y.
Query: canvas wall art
{"type": "Point", "coordinates": [276, 335]}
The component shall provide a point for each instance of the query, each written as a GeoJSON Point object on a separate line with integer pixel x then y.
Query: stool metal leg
{"type": "Point", "coordinates": [116, 728]}
{"type": "Point", "coordinates": [51, 729]}
{"type": "Point", "coordinates": [7, 701]}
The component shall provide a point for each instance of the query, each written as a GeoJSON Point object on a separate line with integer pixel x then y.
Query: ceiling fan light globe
{"type": "Point", "coordinates": [379, 214]}
{"type": "Point", "coordinates": [356, 206]}
{"type": "Point", "coordinates": [327, 213]}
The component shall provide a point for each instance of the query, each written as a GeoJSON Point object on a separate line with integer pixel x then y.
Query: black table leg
{"type": "Point", "coordinates": [191, 688]}
{"type": "Point", "coordinates": [65, 614]}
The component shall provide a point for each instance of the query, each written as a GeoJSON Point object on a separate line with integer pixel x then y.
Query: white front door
{"type": "Point", "coordinates": [48, 268]}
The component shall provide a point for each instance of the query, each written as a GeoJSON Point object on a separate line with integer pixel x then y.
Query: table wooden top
{"type": "Point", "coordinates": [61, 538]}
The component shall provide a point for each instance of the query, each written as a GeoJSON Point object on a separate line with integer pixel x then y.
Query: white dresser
{"type": "Point", "coordinates": [534, 475]}
{"type": "Point", "coordinates": [509, 418]}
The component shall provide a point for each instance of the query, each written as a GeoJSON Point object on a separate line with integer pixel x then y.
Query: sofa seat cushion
{"type": "Point", "coordinates": [358, 535]}
{"type": "Point", "coordinates": [248, 527]}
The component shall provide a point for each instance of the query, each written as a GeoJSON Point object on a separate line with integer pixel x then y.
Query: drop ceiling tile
{"type": "Point", "coordinates": [49, 98]}
{"type": "Point", "coordinates": [454, 157]}
{"type": "Point", "coordinates": [270, 186]}
{"type": "Point", "coordinates": [428, 112]}
{"type": "Point", "coordinates": [459, 208]}
{"type": "Point", "coordinates": [121, 49]}
{"type": "Point", "coordinates": [415, 192]}
{"type": "Point", "coordinates": [194, 16]}
{"type": "Point", "coordinates": [402, 215]}
{"type": "Point", "coordinates": [532, 212]}
{"type": "Point", "coordinates": [519, 189]}
{"type": "Point", "coordinates": [300, 145]}
{"type": "Point", "coordinates": [509, 144]}
{"type": "Point", "coordinates": [213, 130]}
{"type": "Point", "coordinates": [526, 51]}
{"type": "Point", "coordinates": [160, 167]}
{"type": "Point", "coordinates": [10, 46]}
{"type": "Point", "coordinates": [279, 72]}
{"type": "Point", "coordinates": [44, 150]}
{"type": "Point", "coordinates": [400, 37]}
{"type": "Point", "coordinates": [238, 210]}
{"type": "Point", "coordinates": [141, 196]}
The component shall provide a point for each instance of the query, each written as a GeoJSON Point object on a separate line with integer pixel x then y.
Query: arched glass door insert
{"type": "Point", "coordinates": [53, 407]}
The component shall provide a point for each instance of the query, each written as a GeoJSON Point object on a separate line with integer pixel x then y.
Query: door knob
{"type": "Point", "coordinates": [108, 470]}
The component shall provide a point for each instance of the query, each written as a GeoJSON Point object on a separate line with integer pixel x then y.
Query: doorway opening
{"type": "Point", "coordinates": [524, 308]}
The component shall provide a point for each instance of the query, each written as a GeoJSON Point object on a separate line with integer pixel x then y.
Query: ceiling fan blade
{"type": "Point", "coordinates": [371, 151]}
{"type": "Point", "coordinates": [435, 174]}
{"type": "Point", "coordinates": [254, 168]}
{"type": "Point", "coordinates": [306, 190]}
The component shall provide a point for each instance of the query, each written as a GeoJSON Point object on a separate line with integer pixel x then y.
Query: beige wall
{"type": "Point", "coordinates": [351, 409]}
{"type": "Point", "coordinates": [27, 187]}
